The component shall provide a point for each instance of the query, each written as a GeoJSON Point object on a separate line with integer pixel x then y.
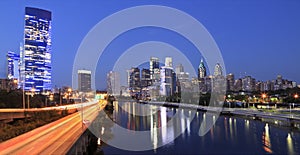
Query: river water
{"type": "Point", "coordinates": [229, 135]}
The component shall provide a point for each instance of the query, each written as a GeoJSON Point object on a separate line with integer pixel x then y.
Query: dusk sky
{"type": "Point", "coordinates": [258, 37]}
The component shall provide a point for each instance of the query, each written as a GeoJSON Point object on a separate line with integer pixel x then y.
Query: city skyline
{"type": "Point", "coordinates": [262, 51]}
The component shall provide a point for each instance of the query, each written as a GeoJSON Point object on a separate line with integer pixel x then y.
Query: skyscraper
{"type": "Point", "coordinates": [168, 62]}
{"type": "Point", "coordinates": [201, 70]}
{"type": "Point", "coordinates": [134, 79]}
{"type": "Point", "coordinates": [113, 83]}
{"type": "Point", "coordinates": [35, 67]}
{"type": "Point", "coordinates": [167, 81]}
{"type": "Point", "coordinates": [167, 78]}
{"type": "Point", "coordinates": [230, 82]}
{"type": "Point", "coordinates": [218, 70]}
{"type": "Point", "coordinates": [145, 79]}
{"type": "Point", "coordinates": [154, 69]}
{"type": "Point", "coordinates": [12, 65]}
{"type": "Point", "coordinates": [179, 69]}
{"type": "Point", "coordinates": [84, 80]}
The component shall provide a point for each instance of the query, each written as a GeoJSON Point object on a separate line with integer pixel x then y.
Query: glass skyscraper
{"type": "Point", "coordinates": [35, 62]}
{"type": "Point", "coordinates": [12, 65]}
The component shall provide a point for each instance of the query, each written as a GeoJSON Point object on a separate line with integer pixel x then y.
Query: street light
{"type": "Point", "coordinates": [32, 93]}
{"type": "Point", "coordinates": [264, 96]}
{"type": "Point", "coordinates": [69, 94]}
{"type": "Point", "coordinates": [23, 94]}
{"type": "Point", "coordinates": [296, 96]}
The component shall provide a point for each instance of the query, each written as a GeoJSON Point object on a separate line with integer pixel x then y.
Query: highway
{"type": "Point", "coordinates": [54, 138]}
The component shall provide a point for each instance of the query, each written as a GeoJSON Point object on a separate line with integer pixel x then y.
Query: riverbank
{"type": "Point", "coordinates": [285, 120]}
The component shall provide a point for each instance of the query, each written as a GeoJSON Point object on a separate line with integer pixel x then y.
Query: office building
{"type": "Point", "coordinates": [201, 70]}
{"type": "Point", "coordinates": [154, 69]}
{"type": "Point", "coordinates": [84, 80]}
{"type": "Point", "coordinates": [230, 82]}
{"type": "Point", "coordinates": [35, 60]}
{"type": "Point", "coordinates": [134, 80]}
{"type": "Point", "coordinates": [12, 65]}
{"type": "Point", "coordinates": [113, 83]}
{"type": "Point", "coordinates": [168, 62]}
{"type": "Point", "coordinates": [167, 78]}
{"type": "Point", "coordinates": [218, 70]}
{"type": "Point", "coordinates": [145, 79]}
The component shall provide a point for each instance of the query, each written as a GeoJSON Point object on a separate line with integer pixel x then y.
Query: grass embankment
{"type": "Point", "coordinates": [36, 119]}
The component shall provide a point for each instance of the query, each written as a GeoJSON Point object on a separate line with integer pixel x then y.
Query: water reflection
{"type": "Point", "coordinates": [266, 140]}
{"type": "Point", "coordinates": [289, 140]}
{"type": "Point", "coordinates": [228, 135]}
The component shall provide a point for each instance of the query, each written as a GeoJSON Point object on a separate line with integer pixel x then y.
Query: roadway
{"type": "Point", "coordinates": [7, 115]}
{"type": "Point", "coordinates": [54, 138]}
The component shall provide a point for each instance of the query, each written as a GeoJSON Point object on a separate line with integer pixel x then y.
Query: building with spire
{"type": "Point", "coordinates": [201, 70]}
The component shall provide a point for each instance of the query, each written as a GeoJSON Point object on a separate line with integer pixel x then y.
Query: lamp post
{"type": "Point", "coordinates": [32, 93]}
{"type": "Point", "coordinates": [23, 95]}
{"type": "Point", "coordinates": [264, 96]}
{"type": "Point", "coordinates": [69, 94]}
{"type": "Point", "coordinates": [296, 96]}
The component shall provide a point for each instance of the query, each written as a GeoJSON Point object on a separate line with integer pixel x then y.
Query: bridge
{"type": "Point", "coordinates": [56, 137]}
{"type": "Point", "coordinates": [7, 115]}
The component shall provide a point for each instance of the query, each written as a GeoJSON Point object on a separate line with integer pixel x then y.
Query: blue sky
{"type": "Point", "coordinates": [259, 37]}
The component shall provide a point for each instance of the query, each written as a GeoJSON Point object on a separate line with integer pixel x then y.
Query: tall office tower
{"type": "Point", "coordinates": [35, 67]}
{"type": "Point", "coordinates": [201, 70]}
{"type": "Point", "coordinates": [113, 83]}
{"type": "Point", "coordinates": [168, 62]}
{"type": "Point", "coordinates": [167, 81]}
{"type": "Point", "coordinates": [248, 84]}
{"type": "Point", "coordinates": [238, 85]}
{"type": "Point", "coordinates": [218, 70]}
{"type": "Point", "coordinates": [154, 68]}
{"type": "Point", "coordinates": [84, 80]}
{"type": "Point", "coordinates": [12, 65]}
{"type": "Point", "coordinates": [230, 82]}
{"type": "Point", "coordinates": [278, 83]}
{"type": "Point", "coordinates": [145, 79]}
{"type": "Point", "coordinates": [179, 68]}
{"type": "Point", "coordinates": [134, 79]}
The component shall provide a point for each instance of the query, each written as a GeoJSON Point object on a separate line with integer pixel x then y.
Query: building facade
{"type": "Point", "coordinates": [12, 65]}
{"type": "Point", "coordinates": [134, 80]}
{"type": "Point", "coordinates": [154, 69]}
{"type": "Point", "coordinates": [35, 67]}
{"type": "Point", "coordinates": [113, 83]}
{"type": "Point", "coordinates": [84, 80]}
{"type": "Point", "coordinates": [201, 70]}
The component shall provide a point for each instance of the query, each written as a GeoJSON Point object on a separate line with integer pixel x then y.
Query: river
{"type": "Point", "coordinates": [229, 135]}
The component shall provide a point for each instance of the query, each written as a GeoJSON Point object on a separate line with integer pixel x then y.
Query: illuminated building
{"type": "Point", "coordinates": [201, 70]}
{"type": "Point", "coordinates": [218, 70]}
{"type": "Point", "coordinates": [35, 60]}
{"type": "Point", "coordinates": [154, 69]}
{"type": "Point", "coordinates": [12, 65]}
{"type": "Point", "coordinates": [145, 79]}
{"type": "Point", "coordinates": [167, 79]}
{"type": "Point", "coordinates": [134, 80]}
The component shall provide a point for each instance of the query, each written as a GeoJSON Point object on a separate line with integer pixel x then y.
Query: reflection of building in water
{"type": "Point", "coordinates": [266, 139]}
{"type": "Point", "coordinates": [289, 140]}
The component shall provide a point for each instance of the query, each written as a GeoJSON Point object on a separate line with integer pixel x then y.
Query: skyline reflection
{"type": "Point", "coordinates": [229, 134]}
